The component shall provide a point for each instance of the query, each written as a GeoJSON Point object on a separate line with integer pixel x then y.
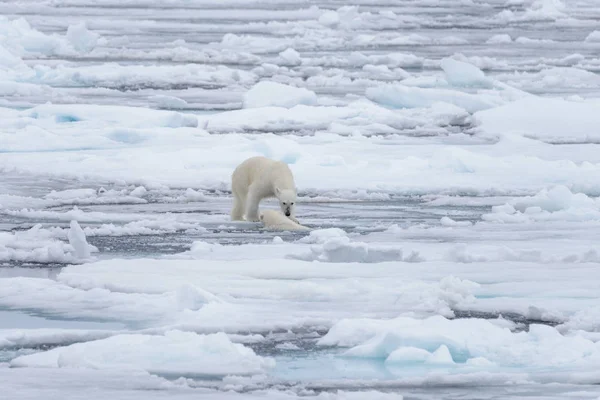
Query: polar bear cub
{"type": "Point", "coordinates": [258, 178]}
{"type": "Point", "coordinates": [275, 220]}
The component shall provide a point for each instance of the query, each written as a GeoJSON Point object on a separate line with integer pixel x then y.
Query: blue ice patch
{"type": "Point", "coordinates": [66, 118]}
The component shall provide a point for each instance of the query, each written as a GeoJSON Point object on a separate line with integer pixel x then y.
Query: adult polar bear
{"type": "Point", "coordinates": [258, 178]}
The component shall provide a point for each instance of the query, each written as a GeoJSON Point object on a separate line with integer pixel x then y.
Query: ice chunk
{"type": "Point", "coordinates": [555, 199]}
{"type": "Point", "coordinates": [460, 73]}
{"type": "Point", "coordinates": [139, 191]}
{"type": "Point", "coordinates": [323, 235]}
{"type": "Point", "coordinates": [8, 59]}
{"type": "Point", "coordinates": [341, 249]}
{"type": "Point", "coordinates": [22, 39]}
{"type": "Point", "coordinates": [407, 355]}
{"type": "Point", "coordinates": [447, 221]}
{"type": "Point", "coordinates": [499, 39]}
{"type": "Point", "coordinates": [266, 93]}
{"type": "Point", "coordinates": [287, 346]}
{"type": "Point", "coordinates": [458, 341]}
{"type": "Point", "coordinates": [441, 356]}
{"type": "Point", "coordinates": [82, 39]}
{"type": "Point", "coordinates": [192, 195]}
{"type": "Point", "coordinates": [175, 354]}
{"type": "Point", "coordinates": [555, 204]}
{"type": "Point", "coordinates": [593, 37]}
{"type": "Point", "coordinates": [329, 18]}
{"type": "Point", "coordinates": [546, 10]}
{"type": "Point", "coordinates": [401, 96]}
{"type": "Point", "coordinates": [290, 57]}
{"type": "Point", "coordinates": [37, 246]}
{"type": "Point", "coordinates": [191, 297]}
{"type": "Point", "coordinates": [78, 240]}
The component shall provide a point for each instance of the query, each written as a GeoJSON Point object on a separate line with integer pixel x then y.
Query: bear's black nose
{"type": "Point", "coordinates": [287, 213]}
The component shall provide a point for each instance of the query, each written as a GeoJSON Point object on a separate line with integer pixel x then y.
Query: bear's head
{"type": "Point", "coordinates": [287, 201]}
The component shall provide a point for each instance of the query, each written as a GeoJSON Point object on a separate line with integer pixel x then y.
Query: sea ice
{"type": "Point", "coordinates": [459, 73]}
{"type": "Point", "coordinates": [401, 96]}
{"type": "Point", "coordinates": [273, 94]}
{"type": "Point", "coordinates": [555, 204]}
{"type": "Point", "coordinates": [342, 250]}
{"type": "Point", "coordinates": [174, 354]}
{"type": "Point", "coordinates": [82, 39]}
{"type": "Point", "coordinates": [441, 190]}
{"type": "Point", "coordinates": [546, 119]}
{"type": "Point", "coordinates": [458, 341]}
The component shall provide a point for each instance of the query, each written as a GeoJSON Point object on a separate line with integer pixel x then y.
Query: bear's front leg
{"type": "Point", "coordinates": [252, 208]}
{"type": "Point", "coordinates": [293, 218]}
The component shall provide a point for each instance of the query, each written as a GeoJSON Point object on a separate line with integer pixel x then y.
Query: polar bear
{"type": "Point", "coordinates": [275, 220]}
{"type": "Point", "coordinates": [258, 178]}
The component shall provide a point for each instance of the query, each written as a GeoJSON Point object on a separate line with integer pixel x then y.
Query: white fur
{"type": "Point", "coordinates": [275, 220]}
{"type": "Point", "coordinates": [258, 178]}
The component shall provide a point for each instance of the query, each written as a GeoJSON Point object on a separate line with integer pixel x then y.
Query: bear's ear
{"type": "Point", "coordinates": [277, 191]}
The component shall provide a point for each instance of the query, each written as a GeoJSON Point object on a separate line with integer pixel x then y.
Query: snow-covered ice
{"type": "Point", "coordinates": [265, 94]}
{"type": "Point", "coordinates": [175, 353]}
{"type": "Point", "coordinates": [447, 164]}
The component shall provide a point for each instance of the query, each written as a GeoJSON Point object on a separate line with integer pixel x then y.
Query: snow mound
{"type": "Point", "coordinates": [447, 221]}
{"type": "Point", "coordinates": [546, 10]}
{"type": "Point", "coordinates": [342, 250]}
{"type": "Point", "coordinates": [593, 37]}
{"type": "Point", "coordinates": [555, 199]}
{"type": "Point", "coordinates": [499, 39]}
{"type": "Point", "coordinates": [460, 343]}
{"type": "Point", "coordinates": [290, 57]}
{"type": "Point", "coordinates": [460, 73]}
{"type": "Point", "coordinates": [82, 39]}
{"type": "Point", "coordinates": [401, 96]}
{"type": "Point", "coordinates": [175, 354]}
{"type": "Point", "coordinates": [323, 235]}
{"type": "Point", "coordinates": [266, 94]}
{"type": "Point", "coordinates": [545, 119]}
{"type": "Point", "coordinates": [21, 39]}
{"type": "Point", "coordinates": [329, 18]}
{"type": "Point", "coordinates": [9, 60]}
{"type": "Point", "coordinates": [555, 204]}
